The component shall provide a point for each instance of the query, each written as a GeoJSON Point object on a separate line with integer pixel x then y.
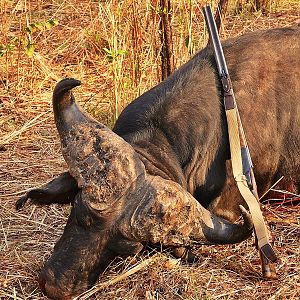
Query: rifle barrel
{"type": "Point", "coordinates": [213, 33]}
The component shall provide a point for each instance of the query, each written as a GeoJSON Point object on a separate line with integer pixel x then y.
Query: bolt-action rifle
{"type": "Point", "coordinates": [240, 155]}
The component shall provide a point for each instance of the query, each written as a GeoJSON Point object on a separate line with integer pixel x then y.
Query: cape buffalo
{"type": "Point", "coordinates": [160, 176]}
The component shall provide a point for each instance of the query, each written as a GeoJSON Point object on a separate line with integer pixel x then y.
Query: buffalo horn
{"type": "Point", "coordinates": [167, 214]}
{"type": "Point", "coordinates": [103, 164]}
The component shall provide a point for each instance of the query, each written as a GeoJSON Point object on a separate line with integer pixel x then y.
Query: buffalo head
{"type": "Point", "coordinates": [119, 207]}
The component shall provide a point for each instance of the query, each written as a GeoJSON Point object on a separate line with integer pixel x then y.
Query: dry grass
{"type": "Point", "coordinates": [30, 153]}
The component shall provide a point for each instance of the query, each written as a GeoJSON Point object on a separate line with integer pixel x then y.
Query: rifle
{"type": "Point", "coordinates": [240, 155]}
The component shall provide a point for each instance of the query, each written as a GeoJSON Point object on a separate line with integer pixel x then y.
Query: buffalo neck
{"type": "Point", "coordinates": [178, 128]}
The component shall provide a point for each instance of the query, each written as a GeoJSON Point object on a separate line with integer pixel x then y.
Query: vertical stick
{"type": "Point", "coordinates": [167, 59]}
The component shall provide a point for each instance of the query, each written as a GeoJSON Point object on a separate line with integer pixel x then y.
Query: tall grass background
{"type": "Point", "coordinates": [112, 46]}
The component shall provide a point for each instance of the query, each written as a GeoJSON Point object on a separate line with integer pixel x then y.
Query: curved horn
{"type": "Point", "coordinates": [169, 215]}
{"type": "Point", "coordinates": [64, 103]}
{"type": "Point", "coordinates": [224, 232]}
{"type": "Point", "coordinates": [103, 164]}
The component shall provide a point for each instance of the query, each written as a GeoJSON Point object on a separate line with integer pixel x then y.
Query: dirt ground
{"type": "Point", "coordinates": [30, 156]}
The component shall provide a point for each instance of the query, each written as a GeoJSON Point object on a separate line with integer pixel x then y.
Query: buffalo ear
{"type": "Point", "coordinates": [61, 190]}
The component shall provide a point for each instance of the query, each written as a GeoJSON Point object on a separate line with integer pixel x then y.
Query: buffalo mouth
{"type": "Point", "coordinates": [75, 268]}
{"type": "Point", "coordinates": [71, 271]}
